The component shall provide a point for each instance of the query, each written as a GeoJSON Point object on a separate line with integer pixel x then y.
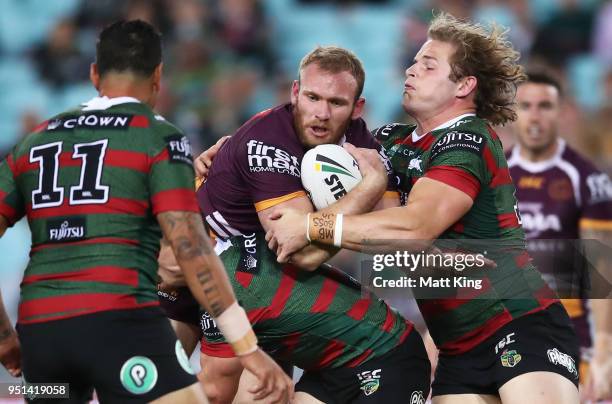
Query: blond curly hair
{"type": "Point", "coordinates": [486, 55]}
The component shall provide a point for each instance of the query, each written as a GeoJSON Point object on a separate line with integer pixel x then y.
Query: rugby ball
{"type": "Point", "coordinates": [328, 173]}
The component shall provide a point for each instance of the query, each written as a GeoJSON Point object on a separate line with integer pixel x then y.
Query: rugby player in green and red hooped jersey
{"type": "Point", "coordinates": [98, 186]}
{"type": "Point", "coordinates": [517, 348]}
{"type": "Point", "coordinates": [354, 348]}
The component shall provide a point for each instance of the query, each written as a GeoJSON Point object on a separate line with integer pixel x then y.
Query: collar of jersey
{"type": "Point", "coordinates": [516, 159]}
{"type": "Point", "coordinates": [98, 103]}
{"type": "Point", "coordinates": [416, 137]}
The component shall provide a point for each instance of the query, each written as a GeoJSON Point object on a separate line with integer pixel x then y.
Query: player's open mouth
{"type": "Point", "coordinates": [534, 132]}
{"type": "Point", "coordinates": [319, 130]}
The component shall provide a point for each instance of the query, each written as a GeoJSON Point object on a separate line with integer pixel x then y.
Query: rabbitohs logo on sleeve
{"type": "Point", "coordinates": [179, 149]}
{"type": "Point", "coordinates": [458, 141]}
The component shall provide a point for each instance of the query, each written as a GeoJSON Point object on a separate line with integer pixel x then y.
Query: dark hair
{"type": "Point", "coordinates": [334, 59]}
{"type": "Point", "coordinates": [544, 76]}
{"type": "Point", "coordinates": [133, 46]}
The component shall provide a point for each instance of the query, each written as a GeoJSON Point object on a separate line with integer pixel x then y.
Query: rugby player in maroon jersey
{"type": "Point", "coordinates": [353, 348]}
{"type": "Point", "coordinates": [513, 342]}
{"type": "Point", "coordinates": [562, 196]}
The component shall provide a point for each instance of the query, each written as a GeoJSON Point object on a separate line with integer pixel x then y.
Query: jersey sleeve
{"type": "Point", "coordinates": [11, 201]}
{"type": "Point", "coordinates": [171, 174]}
{"type": "Point", "coordinates": [458, 159]}
{"type": "Point", "coordinates": [364, 138]}
{"type": "Point", "coordinates": [596, 213]}
{"type": "Point", "coordinates": [271, 173]}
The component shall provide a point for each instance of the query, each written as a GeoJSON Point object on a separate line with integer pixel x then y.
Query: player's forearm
{"type": "Point", "coordinates": [6, 328]}
{"type": "Point", "coordinates": [361, 199]}
{"type": "Point", "coordinates": [204, 272]}
{"type": "Point", "coordinates": [387, 230]}
{"type": "Point", "coordinates": [384, 230]}
{"type": "Point", "coordinates": [207, 279]}
{"type": "Point", "coordinates": [312, 256]}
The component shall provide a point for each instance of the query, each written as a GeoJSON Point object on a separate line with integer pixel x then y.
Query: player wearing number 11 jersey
{"type": "Point", "coordinates": [98, 184]}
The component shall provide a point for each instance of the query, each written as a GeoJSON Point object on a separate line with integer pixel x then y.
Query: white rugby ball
{"type": "Point", "coordinates": [328, 173]}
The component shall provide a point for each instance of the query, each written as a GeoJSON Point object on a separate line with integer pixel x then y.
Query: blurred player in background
{"type": "Point", "coordinates": [99, 185]}
{"type": "Point", "coordinates": [563, 196]}
{"type": "Point", "coordinates": [512, 340]}
{"type": "Point", "coordinates": [353, 348]}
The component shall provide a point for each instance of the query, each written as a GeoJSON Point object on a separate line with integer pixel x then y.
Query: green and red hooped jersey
{"type": "Point", "coordinates": [466, 154]}
{"type": "Point", "coordinates": [314, 320]}
{"type": "Point", "coordinates": [90, 182]}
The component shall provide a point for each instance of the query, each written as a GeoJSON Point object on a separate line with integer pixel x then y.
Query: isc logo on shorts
{"type": "Point", "coordinates": [369, 381]}
{"type": "Point", "coordinates": [507, 340]}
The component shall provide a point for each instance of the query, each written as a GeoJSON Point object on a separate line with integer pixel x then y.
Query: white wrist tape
{"type": "Point", "coordinates": [308, 228]}
{"type": "Point", "coordinates": [338, 230]}
{"type": "Point", "coordinates": [233, 323]}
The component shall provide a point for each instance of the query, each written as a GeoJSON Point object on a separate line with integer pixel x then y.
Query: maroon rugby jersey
{"type": "Point", "coordinates": [557, 198]}
{"type": "Point", "coordinates": [267, 153]}
{"type": "Point", "coordinates": [311, 319]}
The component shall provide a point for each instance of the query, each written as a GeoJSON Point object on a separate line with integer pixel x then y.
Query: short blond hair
{"type": "Point", "coordinates": [334, 59]}
{"type": "Point", "coordinates": [486, 55]}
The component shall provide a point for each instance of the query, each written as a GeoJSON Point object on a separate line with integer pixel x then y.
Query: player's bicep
{"type": "Point", "coordinates": [301, 203]}
{"type": "Point", "coordinates": [426, 201]}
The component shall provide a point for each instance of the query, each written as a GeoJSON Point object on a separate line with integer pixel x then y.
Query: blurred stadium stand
{"type": "Point", "coordinates": [227, 59]}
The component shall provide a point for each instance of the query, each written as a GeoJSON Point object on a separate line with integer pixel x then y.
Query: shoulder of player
{"type": "Point", "coordinates": [579, 162]}
{"type": "Point", "coordinates": [153, 120]}
{"type": "Point", "coordinates": [359, 135]}
{"type": "Point", "coordinates": [471, 129]}
{"type": "Point", "coordinates": [32, 138]}
{"type": "Point", "coordinates": [269, 125]}
{"type": "Point", "coordinates": [392, 131]}
{"type": "Point", "coordinates": [165, 128]}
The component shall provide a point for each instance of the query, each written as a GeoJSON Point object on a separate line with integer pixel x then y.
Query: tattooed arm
{"type": "Point", "coordinates": [203, 270]}
{"type": "Point", "coordinates": [209, 284]}
{"type": "Point", "coordinates": [10, 350]}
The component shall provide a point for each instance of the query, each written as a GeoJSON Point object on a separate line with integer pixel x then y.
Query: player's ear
{"type": "Point", "coordinates": [157, 75]}
{"type": "Point", "coordinates": [466, 86]}
{"type": "Point", "coordinates": [295, 90]}
{"type": "Point", "coordinates": [358, 110]}
{"type": "Point", "coordinates": [94, 76]}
